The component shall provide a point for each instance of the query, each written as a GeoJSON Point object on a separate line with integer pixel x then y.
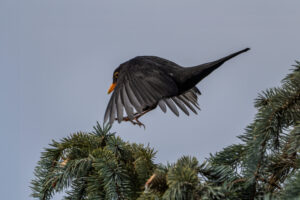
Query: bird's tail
{"type": "Point", "coordinates": [207, 68]}
{"type": "Point", "coordinates": [195, 74]}
{"type": "Point", "coordinates": [222, 60]}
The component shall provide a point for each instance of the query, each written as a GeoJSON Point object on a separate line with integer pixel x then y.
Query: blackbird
{"type": "Point", "coordinates": [144, 82]}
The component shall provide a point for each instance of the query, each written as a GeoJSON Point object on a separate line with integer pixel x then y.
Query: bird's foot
{"type": "Point", "coordinates": [139, 123]}
{"type": "Point", "coordinates": [135, 121]}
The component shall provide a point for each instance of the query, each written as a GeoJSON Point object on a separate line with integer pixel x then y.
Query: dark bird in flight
{"type": "Point", "coordinates": [144, 82]}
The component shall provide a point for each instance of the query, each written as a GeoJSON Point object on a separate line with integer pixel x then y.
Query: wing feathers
{"type": "Point", "coordinates": [138, 89]}
{"type": "Point", "coordinates": [112, 110]}
{"type": "Point", "coordinates": [107, 111]}
{"type": "Point", "coordinates": [162, 106]}
{"type": "Point", "coordinates": [119, 106]}
{"type": "Point", "coordinates": [150, 96]}
{"type": "Point", "coordinates": [172, 106]}
{"type": "Point", "coordinates": [191, 99]}
{"type": "Point", "coordinates": [180, 105]}
{"type": "Point", "coordinates": [132, 98]}
{"type": "Point", "coordinates": [126, 103]}
{"type": "Point", "coordinates": [186, 102]}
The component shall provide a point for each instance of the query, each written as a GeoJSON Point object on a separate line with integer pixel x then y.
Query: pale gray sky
{"type": "Point", "coordinates": [57, 59]}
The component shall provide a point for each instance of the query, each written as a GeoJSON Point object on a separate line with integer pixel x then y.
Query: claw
{"type": "Point", "coordinates": [135, 120]}
{"type": "Point", "coordinates": [140, 123]}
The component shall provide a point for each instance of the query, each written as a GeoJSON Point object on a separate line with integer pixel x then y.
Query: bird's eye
{"type": "Point", "coordinates": [116, 74]}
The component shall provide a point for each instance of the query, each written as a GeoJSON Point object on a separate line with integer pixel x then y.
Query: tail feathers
{"type": "Point", "coordinates": [222, 60]}
{"type": "Point", "coordinates": [207, 68]}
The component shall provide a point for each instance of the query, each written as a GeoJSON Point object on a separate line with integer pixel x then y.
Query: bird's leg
{"type": "Point", "coordinates": [134, 121]}
{"type": "Point", "coordinates": [136, 118]}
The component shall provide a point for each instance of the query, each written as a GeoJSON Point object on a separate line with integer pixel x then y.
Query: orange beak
{"type": "Point", "coordinates": [111, 88]}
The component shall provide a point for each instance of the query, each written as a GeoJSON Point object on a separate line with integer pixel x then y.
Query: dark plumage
{"type": "Point", "coordinates": [144, 82]}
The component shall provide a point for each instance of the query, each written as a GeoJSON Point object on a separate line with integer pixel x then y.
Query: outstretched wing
{"type": "Point", "coordinates": [138, 88]}
{"type": "Point", "coordinates": [143, 87]}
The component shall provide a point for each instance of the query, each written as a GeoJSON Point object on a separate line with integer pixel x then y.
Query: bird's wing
{"type": "Point", "coordinates": [138, 89]}
{"type": "Point", "coordinates": [142, 88]}
{"type": "Point", "coordinates": [189, 99]}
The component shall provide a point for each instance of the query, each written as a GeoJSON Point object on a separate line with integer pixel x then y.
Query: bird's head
{"type": "Point", "coordinates": [115, 78]}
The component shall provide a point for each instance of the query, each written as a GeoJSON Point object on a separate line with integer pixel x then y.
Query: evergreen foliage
{"type": "Point", "coordinates": [95, 165]}
{"type": "Point", "coordinates": [100, 165]}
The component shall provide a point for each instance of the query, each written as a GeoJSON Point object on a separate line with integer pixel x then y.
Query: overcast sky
{"type": "Point", "coordinates": [57, 58]}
